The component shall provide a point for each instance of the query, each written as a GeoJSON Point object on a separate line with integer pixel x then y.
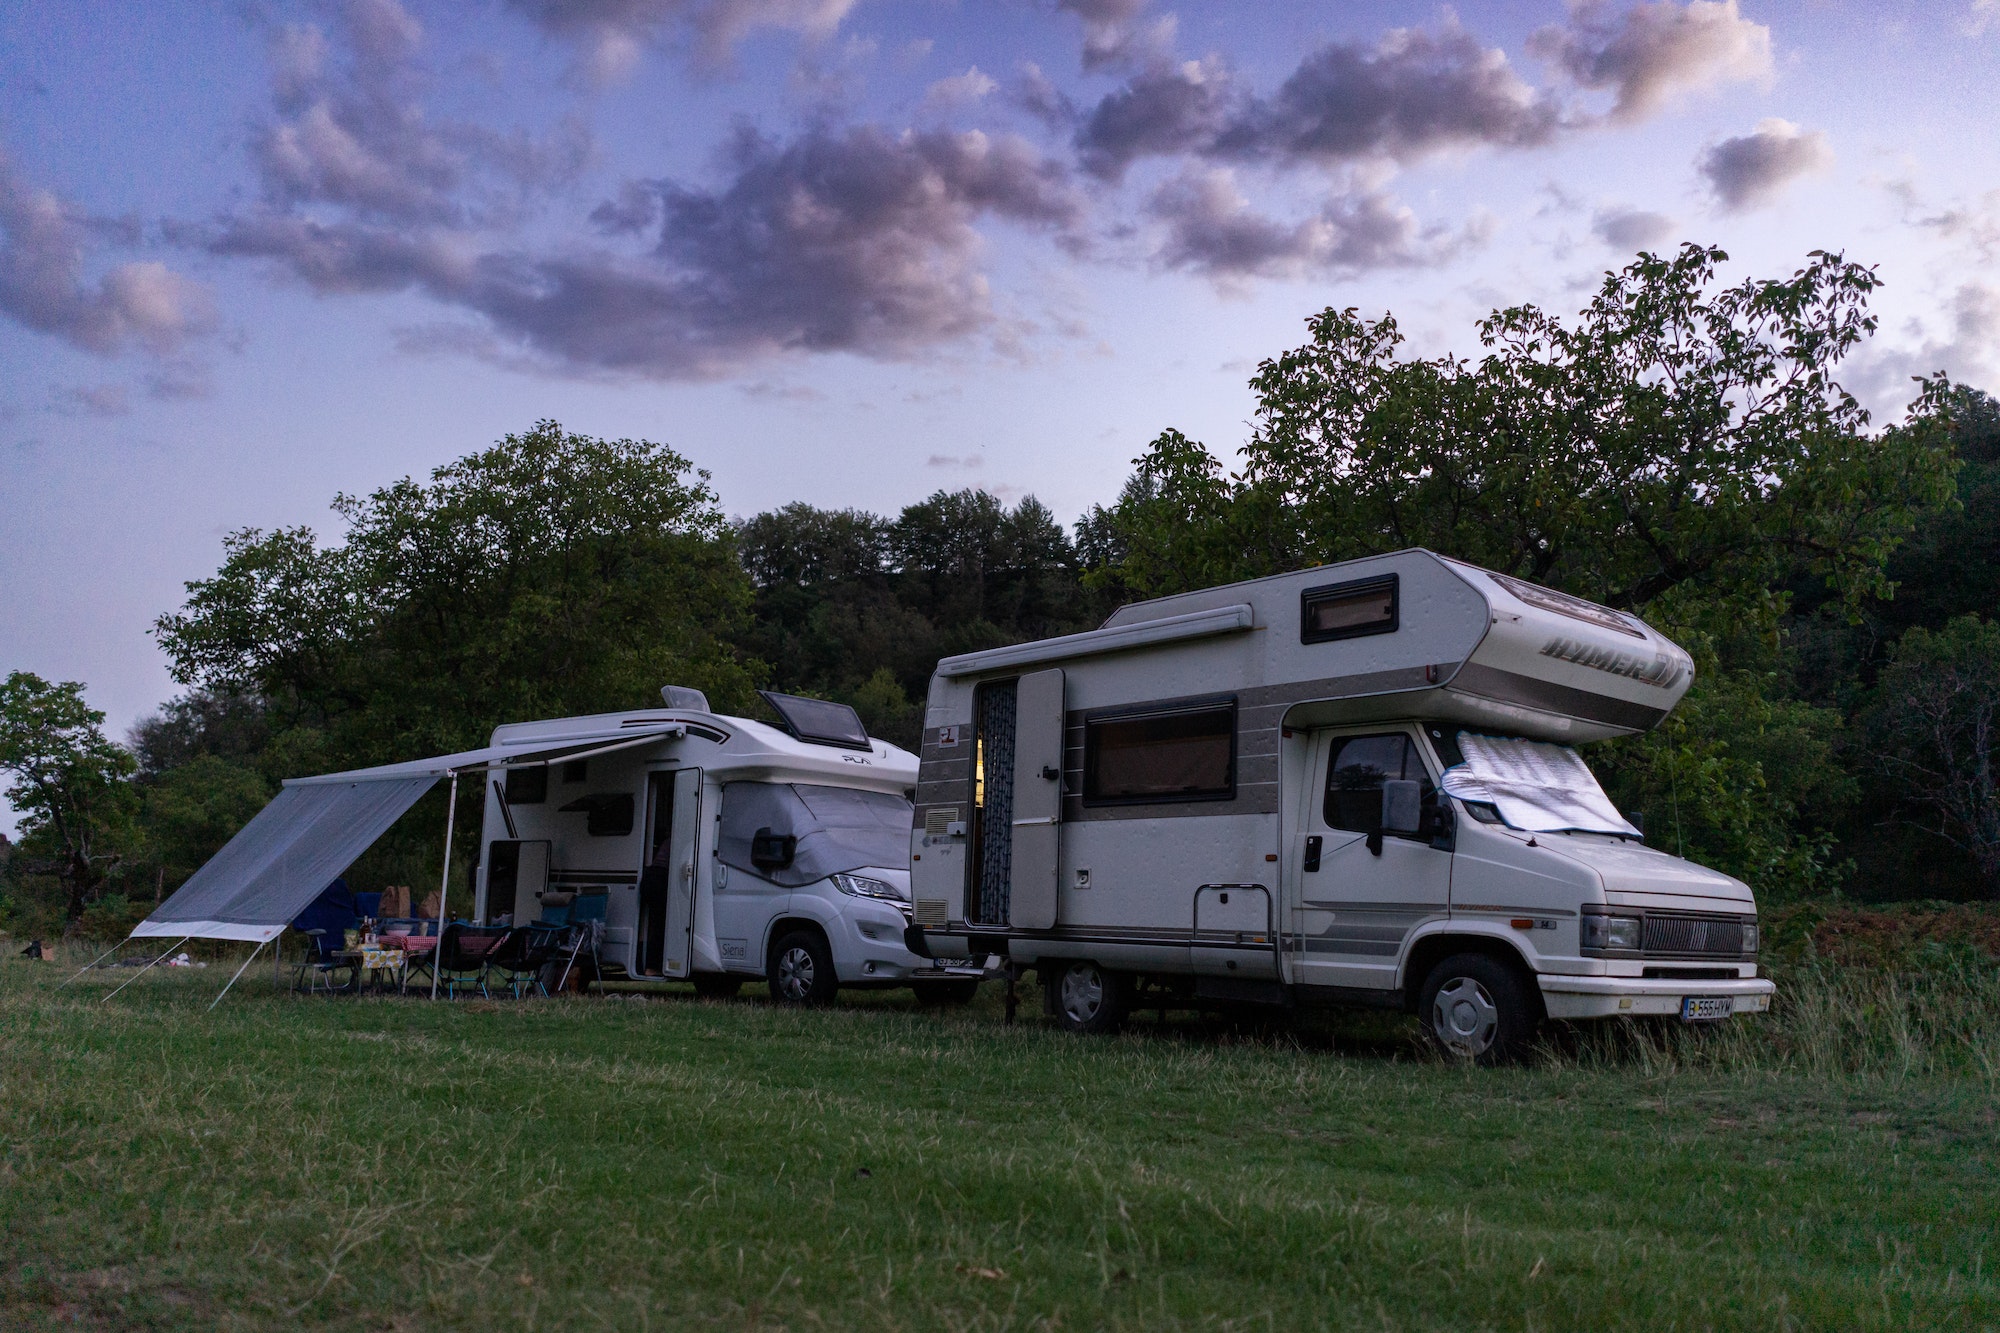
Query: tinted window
{"type": "Point", "coordinates": [1347, 610]}
{"type": "Point", "coordinates": [819, 721]}
{"type": "Point", "coordinates": [528, 786]}
{"type": "Point", "coordinates": [1355, 774]}
{"type": "Point", "coordinates": [608, 814]}
{"type": "Point", "coordinates": [1186, 754]}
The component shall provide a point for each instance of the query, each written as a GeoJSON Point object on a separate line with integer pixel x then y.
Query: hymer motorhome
{"type": "Point", "coordinates": [1351, 785]}
{"type": "Point", "coordinates": [723, 848]}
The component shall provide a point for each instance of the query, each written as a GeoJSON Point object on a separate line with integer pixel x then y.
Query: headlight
{"type": "Point", "coordinates": [1611, 932]}
{"type": "Point", "coordinates": [1749, 937]}
{"type": "Point", "coordinates": [861, 886]}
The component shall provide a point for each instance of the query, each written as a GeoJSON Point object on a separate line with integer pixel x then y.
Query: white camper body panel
{"type": "Point", "coordinates": [1215, 884]}
{"type": "Point", "coordinates": [720, 919]}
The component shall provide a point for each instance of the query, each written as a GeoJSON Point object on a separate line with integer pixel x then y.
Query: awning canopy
{"type": "Point", "coordinates": [317, 827]}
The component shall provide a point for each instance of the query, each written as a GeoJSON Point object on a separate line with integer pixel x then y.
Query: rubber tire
{"type": "Point", "coordinates": [716, 986]}
{"type": "Point", "coordinates": [957, 991]}
{"type": "Point", "coordinates": [1483, 979]}
{"type": "Point", "coordinates": [823, 984]}
{"type": "Point", "coordinates": [1114, 999]}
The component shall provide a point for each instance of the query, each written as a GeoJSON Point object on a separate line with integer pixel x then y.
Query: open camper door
{"type": "Point", "coordinates": [1038, 790]}
{"type": "Point", "coordinates": [666, 887]}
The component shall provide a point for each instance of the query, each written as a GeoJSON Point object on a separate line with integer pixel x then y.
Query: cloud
{"type": "Point", "coordinates": [1413, 93]}
{"type": "Point", "coordinates": [959, 90]}
{"type": "Point", "coordinates": [954, 460]}
{"type": "Point", "coordinates": [1631, 228]}
{"type": "Point", "coordinates": [1164, 111]}
{"type": "Point", "coordinates": [1652, 51]}
{"type": "Point", "coordinates": [611, 35]}
{"type": "Point", "coordinates": [1114, 32]}
{"type": "Point", "coordinates": [44, 245]}
{"type": "Point", "coordinates": [1753, 170]}
{"type": "Point", "coordinates": [1968, 351]}
{"type": "Point", "coordinates": [1211, 229]}
{"type": "Point", "coordinates": [855, 240]}
{"type": "Point", "coordinates": [93, 400]}
{"type": "Point", "coordinates": [1984, 15]}
{"type": "Point", "coordinates": [351, 134]}
{"type": "Point", "coordinates": [1418, 91]}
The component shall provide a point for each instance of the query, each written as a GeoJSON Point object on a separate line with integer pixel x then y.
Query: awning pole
{"type": "Point", "coordinates": [444, 885]}
{"type": "Point", "coordinates": [239, 972]}
{"type": "Point", "coordinates": [148, 967]}
{"type": "Point", "coordinates": [100, 958]}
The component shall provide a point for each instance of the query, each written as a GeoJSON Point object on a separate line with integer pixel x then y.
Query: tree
{"type": "Point", "coordinates": [1939, 720]}
{"type": "Point", "coordinates": [553, 573]}
{"type": "Point", "coordinates": [1676, 444]}
{"type": "Point", "coordinates": [69, 784]}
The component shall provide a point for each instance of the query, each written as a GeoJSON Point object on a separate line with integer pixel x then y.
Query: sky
{"type": "Point", "coordinates": [254, 255]}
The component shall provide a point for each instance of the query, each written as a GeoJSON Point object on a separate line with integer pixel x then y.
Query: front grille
{"type": "Point", "coordinates": [931, 913]}
{"type": "Point", "coordinates": [1680, 934]}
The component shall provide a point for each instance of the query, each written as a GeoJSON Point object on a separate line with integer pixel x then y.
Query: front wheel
{"type": "Point", "coordinates": [1478, 1008]}
{"type": "Point", "coordinates": [1090, 1000]}
{"type": "Point", "coordinates": [801, 970]}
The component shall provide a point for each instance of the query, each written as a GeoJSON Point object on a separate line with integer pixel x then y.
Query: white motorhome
{"type": "Point", "coordinates": [1351, 785]}
{"type": "Point", "coordinates": [723, 848]}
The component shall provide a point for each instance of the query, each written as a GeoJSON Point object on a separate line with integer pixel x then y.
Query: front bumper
{"type": "Point", "coordinates": [1634, 997]}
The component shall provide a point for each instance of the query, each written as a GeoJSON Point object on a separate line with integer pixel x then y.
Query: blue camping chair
{"type": "Point", "coordinates": [325, 923]}
{"type": "Point", "coordinates": [586, 916]}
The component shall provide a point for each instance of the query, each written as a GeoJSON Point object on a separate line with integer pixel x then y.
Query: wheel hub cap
{"type": "Point", "coordinates": [1465, 1017]}
{"type": "Point", "coordinates": [795, 973]}
{"type": "Point", "coordinates": [1082, 993]}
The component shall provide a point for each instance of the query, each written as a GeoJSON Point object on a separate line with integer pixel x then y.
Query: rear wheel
{"type": "Point", "coordinates": [957, 991]}
{"type": "Point", "coordinates": [1479, 1008]}
{"type": "Point", "coordinates": [801, 970]}
{"type": "Point", "coordinates": [1089, 999]}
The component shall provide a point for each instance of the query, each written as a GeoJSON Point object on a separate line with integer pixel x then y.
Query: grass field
{"type": "Point", "coordinates": [663, 1162]}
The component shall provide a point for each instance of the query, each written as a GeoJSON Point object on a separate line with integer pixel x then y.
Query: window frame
{"type": "Point", "coordinates": [1162, 708]}
{"type": "Point", "coordinates": [1330, 591]}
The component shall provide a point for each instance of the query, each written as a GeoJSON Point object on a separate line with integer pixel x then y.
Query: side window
{"type": "Point", "coordinates": [1356, 771]}
{"type": "Point", "coordinates": [1186, 753]}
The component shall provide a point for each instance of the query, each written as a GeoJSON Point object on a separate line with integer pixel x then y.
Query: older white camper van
{"type": "Point", "coordinates": [1351, 785]}
{"type": "Point", "coordinates": [714, 849]}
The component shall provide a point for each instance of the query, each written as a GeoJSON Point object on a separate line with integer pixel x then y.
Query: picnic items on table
{"type": "Point", "coordinates": [395, 902]}
{"type": "Point", "coordinates": [429, 907]}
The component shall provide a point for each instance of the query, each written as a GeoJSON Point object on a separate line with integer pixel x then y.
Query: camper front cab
{"type": "Point", "coordinates": [1351, 785]}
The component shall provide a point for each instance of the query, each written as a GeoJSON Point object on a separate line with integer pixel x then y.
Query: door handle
{"type": "Point", "coordinates": [1050, 774]}
{"type": "Point", "coordinates": [1312, 853]}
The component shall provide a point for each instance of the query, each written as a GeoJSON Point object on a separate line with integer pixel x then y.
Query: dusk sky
{"type": "Point", "coordinates": [850, 252]}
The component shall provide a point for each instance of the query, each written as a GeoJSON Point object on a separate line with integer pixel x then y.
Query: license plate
{"type": "Point", "coordinates": [1706, 1008]}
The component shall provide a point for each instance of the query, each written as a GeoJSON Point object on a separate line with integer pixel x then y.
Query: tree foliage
{"type": "Point", "coordinates": [553, 573]}
{"type": "Point", "coordinates": [68, 785]}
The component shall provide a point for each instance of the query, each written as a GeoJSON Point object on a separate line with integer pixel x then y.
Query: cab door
{"type": "Point", "coordinates": [1356, 906]}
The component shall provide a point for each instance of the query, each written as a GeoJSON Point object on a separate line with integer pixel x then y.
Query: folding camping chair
{"type": "Point", "coordinates": [521, 957]}
{"type": "Point", "coordinates": [462, 956]}
{"type": "Point", "coordinates": [325, 923]}
{"type": "Point", "coordinates": [586, 924]}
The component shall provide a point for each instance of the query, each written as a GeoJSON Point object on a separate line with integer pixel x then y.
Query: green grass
{"type": "Point", "coordinates": [655, 1163]}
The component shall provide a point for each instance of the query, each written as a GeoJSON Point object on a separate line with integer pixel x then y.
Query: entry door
{"type": "Point", "coordinates": [1355, 911]}
{"type": "Point", "coordinates": [666, 886]}
{"type": "Point", "coordinates": [1038, 786]}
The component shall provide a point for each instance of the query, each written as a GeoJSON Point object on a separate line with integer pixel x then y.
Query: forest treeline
{"type": "Point", "coordinates": [1682, 449]}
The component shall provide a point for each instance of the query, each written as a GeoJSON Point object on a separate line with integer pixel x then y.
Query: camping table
{"type": "Point", "coordinates": [371, 962]}
{"type": "Point", "coordinates": [408, 946]}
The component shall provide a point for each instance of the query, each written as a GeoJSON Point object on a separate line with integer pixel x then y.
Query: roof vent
{"type": "Point", "coordinates": [681, 696]}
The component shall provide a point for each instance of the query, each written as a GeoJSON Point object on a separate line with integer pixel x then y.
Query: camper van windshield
{"type": "Point", "coordinates": [838, 829]}
{"type": "Point", "coordinates": [1535, 786]}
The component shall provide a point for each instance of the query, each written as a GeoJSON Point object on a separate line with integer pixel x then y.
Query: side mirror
{"type": "Point", "coordinates": [1402, 811]}
{"type": "Point", "coordinates": [1402, 806]}
{"type": "Point", "coordinates": [772, 851]}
